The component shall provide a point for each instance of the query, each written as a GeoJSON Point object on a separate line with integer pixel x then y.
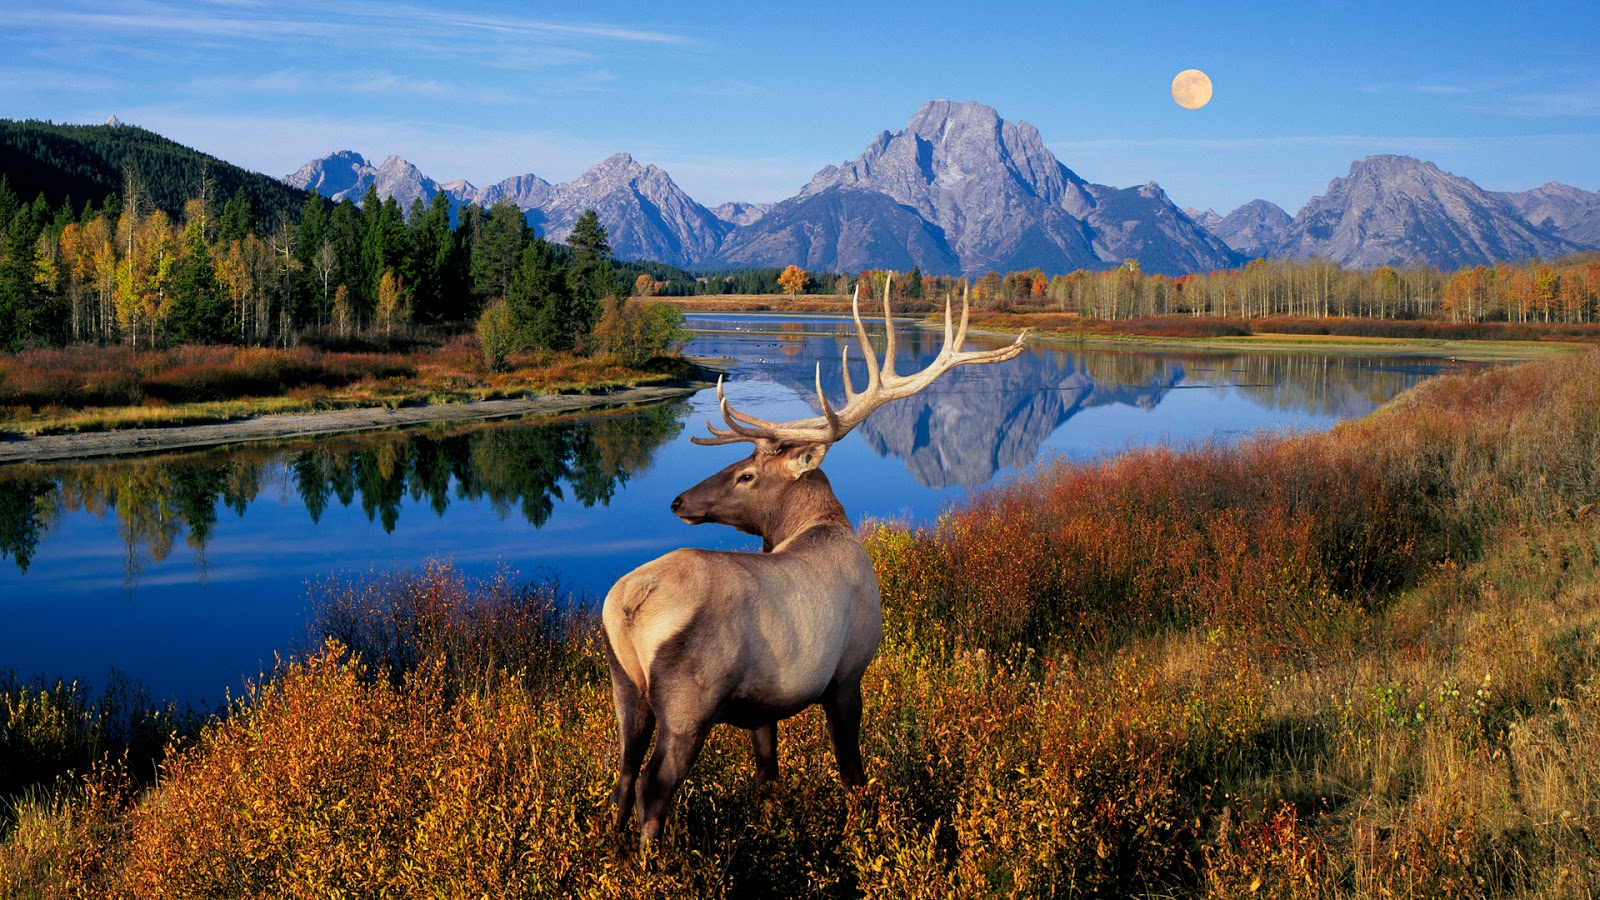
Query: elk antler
{"type": "Point", "coordinates": [883, 385]}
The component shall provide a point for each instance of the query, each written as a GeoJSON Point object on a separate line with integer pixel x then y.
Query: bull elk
{"type": "Point", "coordinates": [700, 637]}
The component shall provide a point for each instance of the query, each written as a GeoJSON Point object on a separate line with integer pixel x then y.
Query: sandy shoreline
{"type": "Point", "coordinates": [69, 447]}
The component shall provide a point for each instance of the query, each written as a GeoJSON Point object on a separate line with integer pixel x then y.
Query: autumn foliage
{"type": "Point", "coordinates": [1359, 663]}
{"type": "Point", "coordinates": [793, 280]}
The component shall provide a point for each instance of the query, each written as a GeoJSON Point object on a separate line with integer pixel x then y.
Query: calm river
{"type": "Point", "coordinates": [190, 572]}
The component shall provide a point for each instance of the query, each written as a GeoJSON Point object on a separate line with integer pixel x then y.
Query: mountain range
{"type": "Point", "coordinates": [960, 190]}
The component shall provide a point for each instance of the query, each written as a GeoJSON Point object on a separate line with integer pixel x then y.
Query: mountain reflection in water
{"type": "Point", "coordinates": [976, 421]}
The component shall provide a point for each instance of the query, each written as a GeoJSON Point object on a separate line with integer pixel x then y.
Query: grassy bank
{"type": "Point", "coordinates": [1476, 341]}
{"type": "Point", "coordinates": [1360, 663]}
{"type": "Point", "coordinates": [89, 388]}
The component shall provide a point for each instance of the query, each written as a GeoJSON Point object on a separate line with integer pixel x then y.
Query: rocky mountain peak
{"type": "Point", "coordinates": [937, 116]}
{"type": "Point", "coordinates": [961, 190]}
{"type": "Point", "coordinates": [1570, 212]}
{"type": "Point", "coordinates": [1397, 210]}
{"type": "Point", "coordinates": [992, 192]}
{"type": "Point", "coordinates": [1254, 229]}
{"type": "Point", "coordinates": [737, 212]}
{"type": "Point", "coordinates": [341, 174]}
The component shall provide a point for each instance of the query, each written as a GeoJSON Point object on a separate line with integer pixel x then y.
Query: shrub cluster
{"type": "Point", "coordinates": [479, 630]}
{"type": "Point", "coordinates": [50, 729]}
{"type": "Point", "coordinates": [1353, 664]}
{"type": "Point", "coordinates": [82, 376]}
{"type": "Point", "coordinates": [1279, 536]}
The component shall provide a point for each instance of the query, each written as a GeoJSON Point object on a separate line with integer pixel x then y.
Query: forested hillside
{"type": "Point", "coordinates": [89, 163]}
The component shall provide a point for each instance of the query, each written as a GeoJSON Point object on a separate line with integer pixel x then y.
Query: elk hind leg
{"type": "Point", "coordinates": [842, 705]}
{"type": "Point", "coordinates": [670, 761]}
{"type": "Point", "coordinates": [636, 721]}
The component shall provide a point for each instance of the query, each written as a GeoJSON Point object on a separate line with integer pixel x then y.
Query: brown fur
{"type": "Point", "coordinates": [700, 637]}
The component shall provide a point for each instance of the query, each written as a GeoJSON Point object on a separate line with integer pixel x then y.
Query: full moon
{"type": "Point", "coordinates": [1191, 88]}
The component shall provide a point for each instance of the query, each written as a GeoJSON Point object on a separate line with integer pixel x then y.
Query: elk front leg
{"type": "Point", "coordinates": [764, 746]}
{"type": "Point", "coordinates": [842, 705]}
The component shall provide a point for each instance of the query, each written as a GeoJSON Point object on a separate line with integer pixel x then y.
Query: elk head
{"type": "Point", "coordinates": [756, 494]}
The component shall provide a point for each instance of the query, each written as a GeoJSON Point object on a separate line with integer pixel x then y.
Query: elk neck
{"type": "Point", "coordinates": [808, 503]}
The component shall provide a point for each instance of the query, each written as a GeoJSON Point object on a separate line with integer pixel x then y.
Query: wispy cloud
{"type": "Point", "coordinates": [1555, 92]}
{"type": "Point", "coordinates": [17, 81]}
{"type": "Point", "coordinates": [1569, 101]}
{"type": "Point", "coordinates": [392, 83]}
{"type": "Point", "coordinates": [365, 23]}
{"type": "Point", "coordinates": [723, 89]}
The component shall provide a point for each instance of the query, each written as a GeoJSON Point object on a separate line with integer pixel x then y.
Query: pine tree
{"type": "Point", "coordinates": [537, 298]}
{"type": "Point", "coordinates": [238, 218]}
{"type": "Point", "coordinates": [590, 278]}
{"type": "Point", "coordinates": [497, 240]}
{"type": "Point", "coordinates": [383, 242]}
{"type": "Point", "coordinates": [201, 312]}
{"type": "Point", "coordinates": [432, 264]}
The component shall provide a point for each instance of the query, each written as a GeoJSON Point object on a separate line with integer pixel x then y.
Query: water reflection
{"type": "Point", "coordinates": [155, 501]}
{"type": "Point", "coordinates": [976, 421]}
{"type": "Point", "coordinates": [190, 571]}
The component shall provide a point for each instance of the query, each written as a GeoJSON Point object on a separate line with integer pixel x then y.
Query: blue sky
{"type": "Point", "coordinates": [746, 100]}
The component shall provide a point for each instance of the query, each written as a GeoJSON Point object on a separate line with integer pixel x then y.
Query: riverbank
{"type": "Point", "coordinates": [87, 445]}
{"type": "Point", "coordinates": [1463, 351]}
{"type": "Point", "coordinates": [1352, 663]}
{"type": "Point", "coordinates": [1186, 334]}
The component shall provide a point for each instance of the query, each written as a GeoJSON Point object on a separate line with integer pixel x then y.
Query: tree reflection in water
{"type": "Point", "coordinates": [513, 466]}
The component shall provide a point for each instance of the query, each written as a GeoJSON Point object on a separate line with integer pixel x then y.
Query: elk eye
{"type": "Point", "coordinates": [746, 477]}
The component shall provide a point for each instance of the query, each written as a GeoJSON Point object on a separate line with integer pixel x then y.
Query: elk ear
{"type": "Point", "coordinates": [802, 458]}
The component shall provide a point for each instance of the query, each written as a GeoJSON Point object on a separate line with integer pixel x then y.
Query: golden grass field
{"type": "Point", "coordinates": [1364, 663]}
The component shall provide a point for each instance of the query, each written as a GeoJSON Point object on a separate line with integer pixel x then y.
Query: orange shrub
{"type": "Point", "coordinates": [1277, 538]}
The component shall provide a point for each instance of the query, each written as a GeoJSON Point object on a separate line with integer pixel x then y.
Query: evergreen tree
{"type": "Point", "coordinates": [24, 313]}
{"type": "Point", "coordinates": [201, 312]}
{"type": "Point", "coordinates": [497, 242]}
{"type": "Point", "coordinates": [347, 233]}
{"type": "Point", "coordinates": [589, 279]}
{"type": "Point", "coordinates": [8, 202]}
{"type": "Point", "coordinates": [432, 268]}
{"type": "Point", "coordinates": [383, 242]}
{"type": "Point", "coordinates": [311, 237]}
{"type": "Point", "coordinates": [238, 218]}
{"type": "Point", "coordinates": [538, 300]}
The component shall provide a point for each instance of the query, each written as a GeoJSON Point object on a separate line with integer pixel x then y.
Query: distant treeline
{"type": "Point", "coordinates": [1565, 291]}
{"type": "Point", "coordinates": [222, 271]}
{"type": "Point", "coordinates": [130, 271]}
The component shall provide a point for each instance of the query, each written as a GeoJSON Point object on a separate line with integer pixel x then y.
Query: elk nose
{"type": "Point", "coordinates": [677, 503]}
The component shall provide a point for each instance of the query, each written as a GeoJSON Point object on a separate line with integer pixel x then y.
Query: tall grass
{"type": "Point", "coordinates": [84, 388]}
{"type": "Point", "coordinates": [84, 376]}
{"type": "Point", "coordinates": [481, 631]}
{"type": "Point", "coordinates": [1355, 664]}
{"type": "Point", "coordinates": [51, 729]}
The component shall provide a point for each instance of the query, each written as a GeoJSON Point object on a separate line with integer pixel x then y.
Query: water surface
{"type": "Point", "coordinates": [190, 572]}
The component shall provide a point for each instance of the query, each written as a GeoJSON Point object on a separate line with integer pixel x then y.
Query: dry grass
{"type": "Point", "coordinates": [104, 388]}
{"type": "Point", "coordinates": [1358, 664]}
